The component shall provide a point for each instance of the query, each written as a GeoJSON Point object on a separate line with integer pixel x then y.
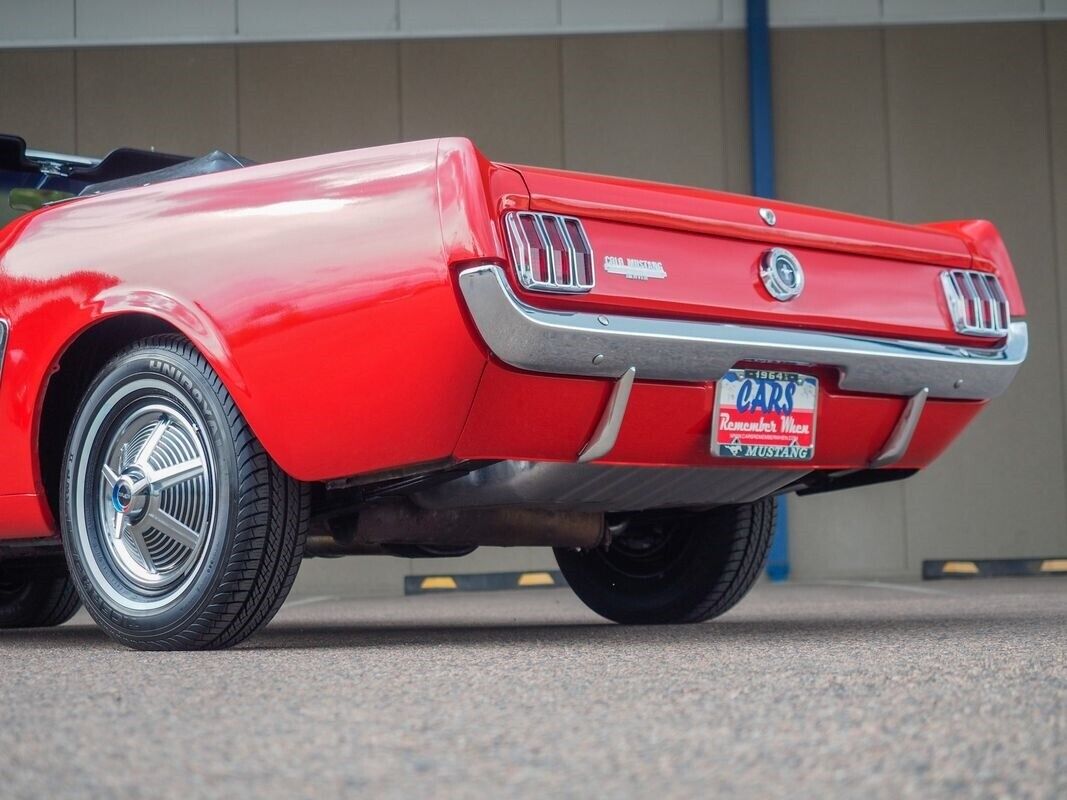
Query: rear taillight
{"type": "Point", "coordinates": [551, 252]}
{"type": "Point", "coordinates": [977, 302]}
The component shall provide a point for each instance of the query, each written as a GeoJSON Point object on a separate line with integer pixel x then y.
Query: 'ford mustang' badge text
{"type": "Point", "coordinates": [634, 268]}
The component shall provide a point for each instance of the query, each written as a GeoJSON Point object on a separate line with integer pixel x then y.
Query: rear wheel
{"type": "Point", "coordinates": [180, 531]}
{"type": "Point", "coordinates": [36, 594]}
{"type": "Point", "coordinates": [674, 567]}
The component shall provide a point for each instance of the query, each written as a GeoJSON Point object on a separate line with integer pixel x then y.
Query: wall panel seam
{"type": "Point", "coordinates": [887, 128]}
{"type": "Point", "coordinates": [564, 163]}
{"type": "Point", "coordinates": [237, 60]}
{"type": "Point", "coordinates": [74, 93]}
{"type": "Point", "coordinates": [562, 103]}
{"type": "Point", "coordinates": [1046, 66]}
{"type": "Point", "coordinates": [724, 131]}
{"type": "Point", "coordinates": [399, 86]}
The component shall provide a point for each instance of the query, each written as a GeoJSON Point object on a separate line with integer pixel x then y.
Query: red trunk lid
{"type": "Point", "coordinates": [861, 275]}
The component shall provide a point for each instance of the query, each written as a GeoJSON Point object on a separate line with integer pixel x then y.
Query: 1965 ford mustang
{"type": "Point", "coordinates": [212, 369]}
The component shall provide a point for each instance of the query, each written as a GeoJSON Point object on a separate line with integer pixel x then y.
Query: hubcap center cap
{"type": "Point", "coordinates": [129, 494]}
{"type": "Point", "coordinates": [122, 494]}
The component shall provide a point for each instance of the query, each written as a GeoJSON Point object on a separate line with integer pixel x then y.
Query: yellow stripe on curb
{"type": "Point", "coordinates": [438, 582]}
{"type": "Point", "coordinates": [1054, 565]}
{"type": "Point", "coordinates": [536, 579]}
{"type": "Point", "coordinates": [960, 568]}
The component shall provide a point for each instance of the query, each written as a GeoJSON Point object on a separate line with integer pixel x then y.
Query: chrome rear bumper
{"type": "Point", "coordinates": [603, 346]}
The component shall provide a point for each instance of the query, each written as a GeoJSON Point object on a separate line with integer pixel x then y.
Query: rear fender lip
{"type": "Point", "coordinates": [596, 345]}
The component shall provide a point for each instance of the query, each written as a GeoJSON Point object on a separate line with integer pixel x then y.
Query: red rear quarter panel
{"type": "Point", "coordinates": [319, 290]}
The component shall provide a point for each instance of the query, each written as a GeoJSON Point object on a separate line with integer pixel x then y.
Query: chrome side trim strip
{"type": "Point", "coordinates": [592, 345]}
{"type": "Point", "coordinates": [608, 430]}
{"type": "Point", "coordinates": [899, 440]}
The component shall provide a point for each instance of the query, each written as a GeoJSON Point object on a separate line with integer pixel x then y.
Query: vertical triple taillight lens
{"type": "Point", "coordinates": [551, 252]}
{"type": "Point", "coordinates": [977, 302]}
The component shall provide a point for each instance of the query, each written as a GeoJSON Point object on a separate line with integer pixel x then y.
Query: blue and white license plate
{"type": "Point", "coordinates": [765, 414]}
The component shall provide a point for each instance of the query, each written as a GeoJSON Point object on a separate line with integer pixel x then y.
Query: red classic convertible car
{"type": "Point", "coordinates": [212, 369]}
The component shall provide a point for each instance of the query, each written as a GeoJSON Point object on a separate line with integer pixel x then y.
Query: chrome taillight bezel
{"type": "Point", "coordinates": [522, 252]}
{"type": "Point", "coordinates": [976, 302]}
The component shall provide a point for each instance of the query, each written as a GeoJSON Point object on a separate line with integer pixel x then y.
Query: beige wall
{"type": "Point", "coordinates": [913, 123]}
{"type": "Point", "coordinates": [539, 100]}
{"type": "Point", "coordinates": [931, 123]}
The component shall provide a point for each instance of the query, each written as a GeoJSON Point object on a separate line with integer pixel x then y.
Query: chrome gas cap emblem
{"type": "Point", "coordinates": [781, 274]}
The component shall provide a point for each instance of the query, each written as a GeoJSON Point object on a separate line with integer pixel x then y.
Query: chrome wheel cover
{"type": "Point", "coordinates": [156, 496]}
{"type": "Point", "coordinates": [148, 500]}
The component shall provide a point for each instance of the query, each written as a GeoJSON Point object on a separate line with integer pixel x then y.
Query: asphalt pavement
{"type": "Point", "coordinates": [835, 690]}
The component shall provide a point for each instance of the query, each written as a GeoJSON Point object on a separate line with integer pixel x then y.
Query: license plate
{"type": "Point", "coordinates": [765, 414]}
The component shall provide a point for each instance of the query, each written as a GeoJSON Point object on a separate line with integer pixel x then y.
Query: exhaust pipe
{"type": "Point", "coordinates": [375, 528]}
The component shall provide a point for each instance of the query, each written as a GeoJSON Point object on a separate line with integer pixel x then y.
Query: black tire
{"type": "Point", "coordinates": [674, 568]}
{"type": "Point", "coordinates": [36, 595]}
{"type": "Point", "coordinates": [216, 582]}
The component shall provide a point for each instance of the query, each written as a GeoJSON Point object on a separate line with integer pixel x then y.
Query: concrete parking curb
{"type": "Point", "coordinates": [483, 582]}
{"type": "Point", "coordinates": [994, 568]}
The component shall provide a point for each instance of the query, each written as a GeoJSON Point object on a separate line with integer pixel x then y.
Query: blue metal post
{"type": "Point", "coordinates": [759, 99]}
{"type": "Point", "coordinates": [762, 144]}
